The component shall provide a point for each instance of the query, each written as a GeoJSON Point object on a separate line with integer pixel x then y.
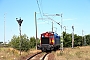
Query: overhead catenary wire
{"type": "Point", "coordinates": [52, 19]}
{"type": "Point", "coordinates": [39, 8]}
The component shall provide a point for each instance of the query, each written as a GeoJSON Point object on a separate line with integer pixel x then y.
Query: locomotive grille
{"type": "Point", "coordinates": [44, 40]}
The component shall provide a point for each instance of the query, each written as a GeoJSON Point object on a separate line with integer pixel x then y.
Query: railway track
{"type": "Point", "coordinates": [42, 57]}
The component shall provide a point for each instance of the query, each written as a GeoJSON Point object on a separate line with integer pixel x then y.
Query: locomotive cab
{"type": "Point", "coordinates": [48, 41]}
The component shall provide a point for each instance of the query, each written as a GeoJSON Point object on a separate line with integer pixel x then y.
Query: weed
{"type": "Point", "coordinates": [78, 47]}
{"type": "Point", "coordinates": [3, 57]}
{"type": "Point", "coordinates": [78, 54]}
{"type": "Point", "coordinates": [60, 54]}
{"type": "Point", "coordinates": [0, 49]}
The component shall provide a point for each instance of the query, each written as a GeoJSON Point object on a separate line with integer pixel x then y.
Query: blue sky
{"type": "Point", "coordinates": [75, 12]}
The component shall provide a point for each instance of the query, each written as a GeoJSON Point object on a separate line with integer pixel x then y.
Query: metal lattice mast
{"type": "Point", "coordinates": [4, 28]}
{"type": "Point", "coordinates": [82, 37]}
{"type": "Point", "coordinates": [61, 33]}
{"type": "Point", "coordinates": [72, 36]}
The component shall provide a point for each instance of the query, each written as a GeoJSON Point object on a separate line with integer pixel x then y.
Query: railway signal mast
{"type": "Point", "coordinates": [20, 22]}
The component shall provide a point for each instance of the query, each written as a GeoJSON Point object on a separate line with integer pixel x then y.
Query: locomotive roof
{"type": "Point", "coordinates": [51, 33]}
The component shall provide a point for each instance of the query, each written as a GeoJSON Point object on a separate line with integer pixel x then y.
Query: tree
{"type": "Point", "coordinates": [88, 39]}
{"type": "Point", "coordinates": [77, 40]}
{"type": "Point", "coordinates": [32, 42]}
{"type": "Point", "coordinates": [15, 42]}
{"type": "Point", "coordinates": [67, 39]}
{"type": "Point", "coordinates": [25, 43]}
{"type": "Point", "coordinates": [38, 41]}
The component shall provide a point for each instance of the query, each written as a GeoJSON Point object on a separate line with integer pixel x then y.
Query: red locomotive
{"type": "Point", "coordinates": [49, 41]}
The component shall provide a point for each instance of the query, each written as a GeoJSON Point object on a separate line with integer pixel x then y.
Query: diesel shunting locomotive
{"type": "Point", "coordinates": [49, 41]}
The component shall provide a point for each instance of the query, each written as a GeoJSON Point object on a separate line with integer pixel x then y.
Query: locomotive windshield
{"type": "Point", "coordinates": [44, 40]}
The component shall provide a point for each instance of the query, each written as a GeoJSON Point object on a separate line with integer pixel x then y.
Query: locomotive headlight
{"type": "Point", "coordinates": [40, 41]}
{"type": "Point", "coordinates": [52, 41]}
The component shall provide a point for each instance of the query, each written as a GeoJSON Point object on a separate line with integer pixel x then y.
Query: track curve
{"type": "Point", "coordinates": [33, 56]}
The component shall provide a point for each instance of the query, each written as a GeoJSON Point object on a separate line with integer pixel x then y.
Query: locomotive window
{"type": "Point", "coordinates": [44, 40]}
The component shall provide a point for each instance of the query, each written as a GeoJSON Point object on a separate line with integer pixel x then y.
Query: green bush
{"type": "Point", "coordinates": [15, 42]}
{"type": "Point", "coordinates": [26, 43]}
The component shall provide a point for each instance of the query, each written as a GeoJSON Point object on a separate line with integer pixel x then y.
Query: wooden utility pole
{"type": "Point", "coordinates": [36, 29]}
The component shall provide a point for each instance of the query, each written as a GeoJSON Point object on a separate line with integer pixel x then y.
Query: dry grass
{"type": "Point", "coordinates": [12, 54]}
{"type": "Point", "coordinates": [77, 53]}
{"type": "Point", "coordinates": [8, 54]}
